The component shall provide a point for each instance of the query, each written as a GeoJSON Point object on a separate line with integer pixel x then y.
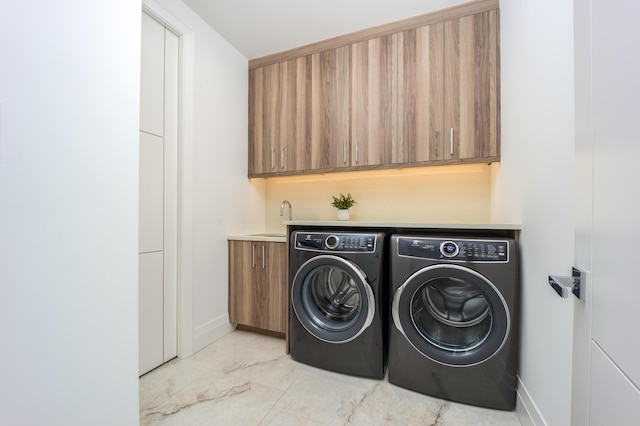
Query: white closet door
{"type": "Point", "coordinates": [151, 193]}
{"type": "Point", "coordinates": [158, 222]}
{"type": "Point", "coordinates": [152, 76]}
{"type": "Point", "coordinates": [150, 305]}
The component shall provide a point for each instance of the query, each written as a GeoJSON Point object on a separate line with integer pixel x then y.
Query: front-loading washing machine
{"type": "Point", "coordinates": [454, 332]}
{"type": "Point", "coordinates": [337, 318]}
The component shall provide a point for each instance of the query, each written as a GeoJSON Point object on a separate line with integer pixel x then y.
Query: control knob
{"type": "Point", "coordinates": [332, 241]}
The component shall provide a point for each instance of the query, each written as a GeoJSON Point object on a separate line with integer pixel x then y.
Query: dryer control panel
{"type": "Point", "coordinates": [335, 242]}
{"type": "Point", "coordinates": [465, 250]}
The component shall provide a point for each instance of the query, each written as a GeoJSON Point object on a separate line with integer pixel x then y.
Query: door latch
{"type": "Point", "coordinates": [574, 284]}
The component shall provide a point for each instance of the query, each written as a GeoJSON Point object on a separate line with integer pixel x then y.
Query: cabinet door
{"type": "Point", "coordinates": [260, 155]}
{"type": "Point", "coordinates": [374, 100]}
{"type": "Point", "coordinates": [471, 104]}
{"type": "Point", "coordinates": [266, 105]}
{"type": "Point", "coordinates": [278, 115]}
{"type": "Point", "coordinates": [420, 95]}
{"type": "Point", "coordinates": [330, 111]}
{"type": "Point", "coordinates": [292, 133]}
{"type": "Point", "coordinates": [257, 284]}
{"type": "Point", "coordinates": [275, 288]}
{"type": "Point", "coordinates": [245, 274]}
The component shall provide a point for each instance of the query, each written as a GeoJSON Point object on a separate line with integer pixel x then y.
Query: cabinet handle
{"type": "Point", "coordinates": [263, 265]}
{"type": "Point", "coordinates": [437, 132]}
{"type": "Point", "coordinates": [273, 158]}
{"type": "Point", "coordinates": [253, 255]}
{"type": "Point", "coordinates": [344, 152]}
{"type": "Point", "coordinates": [282, 159]}
{"type": "Point", "coordinates": [451, 141]}
{"type": "Point", "coordinates": [356, 150]}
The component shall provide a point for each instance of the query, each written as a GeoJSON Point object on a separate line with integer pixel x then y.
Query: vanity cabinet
{"type": "Point", "coordinates": [449, 92]}
{"type": "Point", "coordinates": [257, 284]}
{"type": "Point", "coordinates": [425, 95]}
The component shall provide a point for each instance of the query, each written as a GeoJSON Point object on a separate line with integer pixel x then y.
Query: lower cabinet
{"type": "Point", "coordinates": [258, 284]}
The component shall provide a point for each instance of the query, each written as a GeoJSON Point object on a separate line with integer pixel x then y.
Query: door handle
{"type": "Point", "coordinates": [574, 284]}
{"type": "Point", "coordinates": [451, 141]}
{"type": "Point", "coordinates": [253, 255]}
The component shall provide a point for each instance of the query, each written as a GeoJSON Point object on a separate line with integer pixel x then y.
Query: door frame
{"type": "Point", "coordinates": [185, 178]}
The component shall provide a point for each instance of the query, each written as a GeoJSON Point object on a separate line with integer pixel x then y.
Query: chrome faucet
{"type": "Point", "coordinates": [286, 202]}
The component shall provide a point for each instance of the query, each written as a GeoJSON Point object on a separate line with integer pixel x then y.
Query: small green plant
{"type": "Point", "coordinates": [342, 202]}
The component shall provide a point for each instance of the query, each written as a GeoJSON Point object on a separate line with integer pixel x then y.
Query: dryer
{"type": "Point", "coordinates": [337, 317]}
{"type": "Point", "coordinates": [454, 332]}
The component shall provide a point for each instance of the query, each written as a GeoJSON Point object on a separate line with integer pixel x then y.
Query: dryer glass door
{"type": "Point", "coordinates": [332, 298]}
{"type": "Point", "coordinates": [451, 314]}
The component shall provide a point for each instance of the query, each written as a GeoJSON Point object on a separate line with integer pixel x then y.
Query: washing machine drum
{"type": "Point", "coordinates": [332, 299]}
{"type": "Point", "coordinates": [452, 315]}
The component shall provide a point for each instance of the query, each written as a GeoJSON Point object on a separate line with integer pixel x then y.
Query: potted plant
{"type": "Point", "coordinates": [343, 204]}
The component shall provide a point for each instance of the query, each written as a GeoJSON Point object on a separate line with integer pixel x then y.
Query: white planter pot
{"type": "Point", "coordinates": [343, 215]}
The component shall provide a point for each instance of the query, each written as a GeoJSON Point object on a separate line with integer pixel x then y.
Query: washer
{"type": "Point", "coordinates": [454, 332]}
{"type": "Point", "coordinates": [337, 312]}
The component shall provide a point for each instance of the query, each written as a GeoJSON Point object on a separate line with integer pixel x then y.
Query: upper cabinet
{"type": "Point", "coordinates": [448, 92]}
{"type": "Point", "coordinates": [426, 95]}
{"type": "Point", "coordinates": [330, 109]}
{"type": "Point", "coordinates": [373, 101]}
{"type": "Point", "coordinates": [276, 116]}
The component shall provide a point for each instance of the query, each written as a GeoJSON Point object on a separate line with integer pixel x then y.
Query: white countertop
{"type": "Point", "coordinates": [267, 237]}
{"type": "Point", "coordinates": [281, 238]}
{"type": "Point", "coordinates": [422, 225]}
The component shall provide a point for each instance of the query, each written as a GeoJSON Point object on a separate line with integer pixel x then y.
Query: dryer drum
{"type": "Point", "coordinates": [334, 294]}
{"type": "Point", "coordinates": [451, 314]}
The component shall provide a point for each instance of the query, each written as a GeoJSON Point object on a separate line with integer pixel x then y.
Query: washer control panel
{"type": "Point", "coordinates": [335, 242]}
{"type": "Point", "coordinates": [466, 250]}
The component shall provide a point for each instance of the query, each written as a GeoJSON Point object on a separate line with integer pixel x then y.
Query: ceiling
{"type": "Point", "coordinates": [260, 27]}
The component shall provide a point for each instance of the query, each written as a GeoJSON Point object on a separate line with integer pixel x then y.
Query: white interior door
{"type": "Point", "coordinates": [158, 195]}
{"type": "Point", "coordinates": [606, 376]}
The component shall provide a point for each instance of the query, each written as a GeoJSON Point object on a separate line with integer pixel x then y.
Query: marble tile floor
{"type": "Point", "coordinates": [247, 379]}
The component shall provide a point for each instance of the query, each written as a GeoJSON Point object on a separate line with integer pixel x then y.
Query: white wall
{"type": "Point", "coordinates": [69, 95]}
{"type": "Point", "coordinates": [534, 185]}
{"type": "Point", "coordinates": [223, 200]}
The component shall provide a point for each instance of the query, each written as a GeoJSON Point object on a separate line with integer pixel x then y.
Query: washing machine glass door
{"type": "Point", "coordinates": [332, 298]}
{"type": "Point", "coordinates": [452, 315]}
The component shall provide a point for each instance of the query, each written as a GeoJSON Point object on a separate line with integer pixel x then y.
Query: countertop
{"type": "Point", "coordinates": [281, 238]}
{"type": "Point", "coordinates": [267, 237]}
{"type": "Point", "coordinates": [416, 225]}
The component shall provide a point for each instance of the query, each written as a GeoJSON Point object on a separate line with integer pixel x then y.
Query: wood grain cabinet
{"type": "Point", "coordinates": [257, 284]}
{"type": "Point", "coordinates": [278, 103]}
{"type": "Point", "coordinates": [427, 95]}
{"type": "Point", "coordinates": [330, 111]}
{"type": "Point", "coordinates": [449, 92]}
{"type": "Point", "coordinates": [373, 100]}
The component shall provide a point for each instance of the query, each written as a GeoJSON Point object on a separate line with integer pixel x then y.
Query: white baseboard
{"type": "Point", "coordinates": [526, 409]}
{"type": "Point", "coordinates": [211, 331]}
